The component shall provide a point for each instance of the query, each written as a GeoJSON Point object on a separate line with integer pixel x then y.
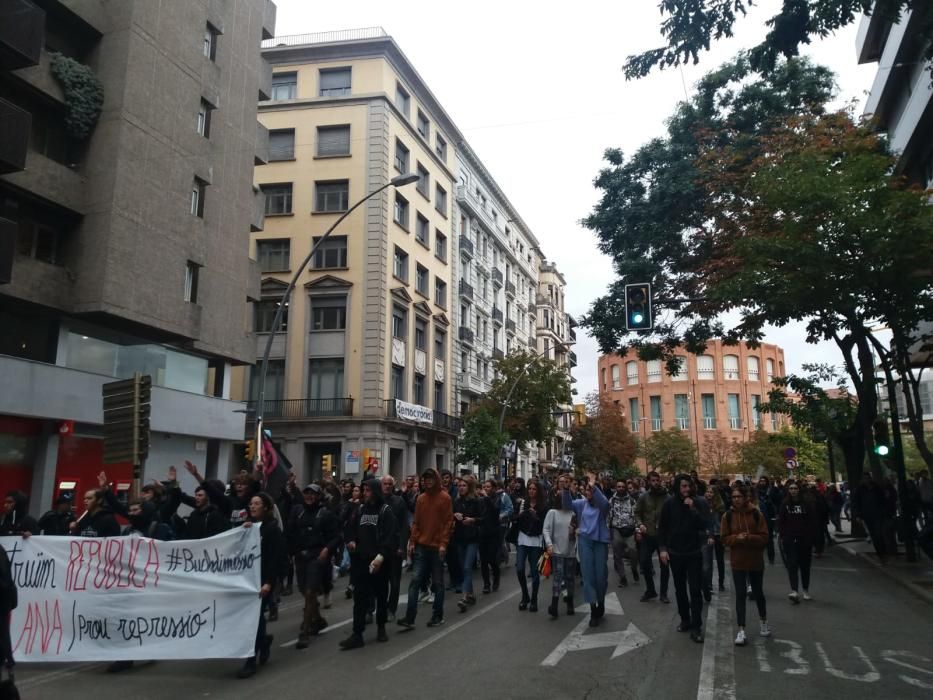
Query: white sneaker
{"type": "Point", "coordinates": [740, 640]}
{"type": "Point", "coordinates": [806, 596]}
{"type": "Point", "coordinates": [794, 598]}
{"type": "Point", "coordinates": [430, 599]}
{"type": "Point", "coordinates": [765, 630]}
{"type": "Point", "coordinates": [423, 598]}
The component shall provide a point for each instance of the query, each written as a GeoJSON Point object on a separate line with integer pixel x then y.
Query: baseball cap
{"type": "Point", "coordinates": [313, 487]}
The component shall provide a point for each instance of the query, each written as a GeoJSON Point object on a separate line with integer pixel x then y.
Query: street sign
{"type": "Point", "coordinates": [789, 453]}
{"type": "Point", "coordinates": [791, 464]}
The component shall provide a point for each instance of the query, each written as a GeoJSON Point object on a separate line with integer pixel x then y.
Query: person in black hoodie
{"type": "Point", "coordinates": [57, 521]}
{"type": "Point", "coordinates": [372, 540]}
{"type": "Point", "coordinates": [98, 520]}
{"type": "Point", "coordinates": [16, 519]}
{"type": "Point", "coordinates": [797, 527]}
{"type": "Point", "coordinates": [684, 526]}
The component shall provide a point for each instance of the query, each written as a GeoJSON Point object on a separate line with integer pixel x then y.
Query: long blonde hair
{"type": "Point", "coordinates": [470, 482]}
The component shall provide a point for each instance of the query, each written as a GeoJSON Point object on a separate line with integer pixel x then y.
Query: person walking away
{"type": "Point", "coordinates": [745, 532]}
{"type": "Point", "coordinates": [560, 542]}
{"type": "Point", "coordinates": [272, 563]}
{"type": "Point", "coordinates": [313, 534]}
{"type": "Point", "coordinates": [834, 502]}
{"type": "Point", "coordinates": [622, 530]}
{"type": "Point", "coordinates": [372, 541]}
{"type": "Point", "coordinates": [490, 538]}
{"type": "Point", "coordinates": [683, 527]}
{"type": "Point", "coordinates": [647, 512]}
{"type": "Point", "coordinates": [868, 506]}
{"type": "Point", "coordinates": [393, 564]}
{"type": "Point", "coordinates": [592, 512]}
{"type": "Point", "coordinates": [469, 514]}
{"type": "Point", "coordinates": [530, 543]}
{"type": "Point", "coordinates": [430, 534]}
{"type": "Point", "coordinates": [797, 526]}
{"type": "Point", "coordinates": [452, 559]}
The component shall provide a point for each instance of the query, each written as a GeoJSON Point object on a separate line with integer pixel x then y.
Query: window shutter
{"type": "Point", "coordinates": [282, 144]}
{"type": "Point", "coordinates": [335, 80]}
{"type": "Point", "coordinates": [333, 141]}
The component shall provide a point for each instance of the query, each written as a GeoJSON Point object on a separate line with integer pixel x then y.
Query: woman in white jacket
{"type": "Point", "coordinates": [561, 544]}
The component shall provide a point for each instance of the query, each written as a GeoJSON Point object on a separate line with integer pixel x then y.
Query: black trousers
{"type": "Point", "coordinates": [687, 570]}
{"type": "Point", "coordinates": [797, 557]}
{"type": "Point", "coordinates": [454, 569]}
{"type": "Point", "coordinates": [741, 580]}
{"type": "Point", "coordinates": [393, 569]}
{"type": "Point", "coordinates": [489, 550]}
{"type": "Point", "coordinates": [647, 547]}
{"type": "Point", "coordinates": [367, 586]}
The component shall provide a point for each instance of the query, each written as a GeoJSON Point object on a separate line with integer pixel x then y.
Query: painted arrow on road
{"type": "Point", "coordinates": [625, 641]}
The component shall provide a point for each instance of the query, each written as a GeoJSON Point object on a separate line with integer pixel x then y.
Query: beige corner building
{"type": "Point", "coordinates": [362, 369]}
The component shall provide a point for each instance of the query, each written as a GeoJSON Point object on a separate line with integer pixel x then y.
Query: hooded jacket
{"type": "Point", "coordinates": [18, 520]}
{"type": "Point", "coordinates": [434, 517]}
{"type": "Point", "coordinates": [100, 524]}
{"type": "Point", "coordinates": [470, 508]}
{"type": "Point", "coordinates": [745, 554]}
{"type": "Point", "coordinates": [648, 510]}
{"type": "Point", "coordinates": [312, 528]}
{"type": "Point", "coordinates": [206, 522]}
{"type": "Point", "coordinates": [683, 529]}
{"type": "Point", "coordinates": [400, 510]}
{"type": "Point", "coordinates": [798, 519]}
{"type": "Point", "coordinates": [373, 527]}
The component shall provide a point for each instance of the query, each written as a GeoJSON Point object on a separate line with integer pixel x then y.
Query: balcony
{"type": "Point", "coordinates": [532, 305]}
{"type": "Point", "coordinates": [261, 154]}
{"type": "Point", "coordinates": [655, 425]}
{"type": "Point", "coordinates": [735, 423]}
{"type": "Point", "coordinates": [470, 383]}
{"type": "Point", "coordinates": [497, 276]}
{"type": "Point", "coordinates": [510, 325]}
{"type": "Point", "coordinates": [510, 288]}
{"type": "Point", "coordinates": [683, 423]}
{"type": "Point", "coordinates": [439, 421]}
{"type": "Point", "coordinates": [572, 356]}
{"type": "Point", "coordinates": [258, 213]}
{"type": "Point", "coordinates": [497, 354]}
{"type": "Point", "coordinates": [466, 335]}
{"type": "Point", "coordinates": [22, 34]}
{"type": "Point", "coordinates": [542, 300]}
{"type": "Point", "coordinates": [466, 247]}
{"type": "Point", "coordinates": [265, 80]}
{"type": "Point", "coordinates": [15, 124]}
{"type": "Point", "coordinates": [709, 423]}
{"type": "Point", "coordinates": [532, 343]}
{"type": "Point", "coordinates": [497, 315]}
{"type": "Point", "coordinates": [268, 19]}
{"type": "Point", "coordinates": [297, 409]}
{"type": "Point", "coordinates": [466, 290]}
{"type": "Point", "coordinates": [572, 334]}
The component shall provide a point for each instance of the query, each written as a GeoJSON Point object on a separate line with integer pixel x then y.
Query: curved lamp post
{"type": "Point", "coordinates": [398, 181]}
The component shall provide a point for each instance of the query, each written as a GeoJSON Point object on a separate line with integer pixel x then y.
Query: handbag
{"type": "Point", "coordinates": [544, 565]}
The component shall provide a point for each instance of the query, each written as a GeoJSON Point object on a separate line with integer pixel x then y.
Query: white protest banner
{"type": "Point", "coordinates": [413, 412]}
{"type": "Point", "coordinates": [132, 598]}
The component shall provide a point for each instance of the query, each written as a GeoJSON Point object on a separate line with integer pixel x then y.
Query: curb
{"type": "Point", "coordinates": [918, 591]}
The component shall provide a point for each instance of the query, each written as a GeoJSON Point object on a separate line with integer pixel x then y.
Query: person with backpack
{"type": "Point", "coordinates": [622, 529]}
{"type": "Point", "coordinates": [745, 532]}
{"type": "Point", "coordinates": [765, 499]}
{"type": "Point", "coordinates": [798, 527]}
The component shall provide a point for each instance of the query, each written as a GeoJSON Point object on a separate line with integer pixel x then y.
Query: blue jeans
{"type": "Point", "coordinates": [468, 552]}
{"type": "Point", "coordinates": [426, 561]}
{"type": "Point", "coordinates": [531, 555]}
{"type": "Point", "coordinates": [594, 566]}
{"type": "Point", "coordinates": [563, 570]}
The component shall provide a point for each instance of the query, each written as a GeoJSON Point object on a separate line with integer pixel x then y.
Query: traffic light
{"type": "Point", "coordinates": [326, 464]}
{"type": "Point", "coordinates": [249, 450]}
{"type": "Point", "coordinates": [126, 410]}
{"type": "Point", "coordinates": [882, 441]}
{"type": "Point", "coordinates": [638, 311]}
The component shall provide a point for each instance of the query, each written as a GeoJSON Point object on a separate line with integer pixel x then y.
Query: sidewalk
{"type": "Point", "coordinates": [916, 577]}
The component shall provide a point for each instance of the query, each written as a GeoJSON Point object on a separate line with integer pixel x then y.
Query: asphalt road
{"type": "Point", "coordinates": [863, 636]}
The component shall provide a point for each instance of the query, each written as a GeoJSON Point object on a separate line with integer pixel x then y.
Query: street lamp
{"type": "Point", "coordinates": [397, 181]}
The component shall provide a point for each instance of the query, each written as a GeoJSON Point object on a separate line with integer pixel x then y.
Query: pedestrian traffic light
{"type": "Point", "coordinates": [882, 441]}
{"type": "Point", "coordinates": [326, 463]}
{"type": "Point", "coordinates": [249, 450]}
{"type": "Point", "coordinates": [638, 311]}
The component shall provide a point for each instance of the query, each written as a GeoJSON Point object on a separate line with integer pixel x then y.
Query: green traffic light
{"type": "Point", "coordinates": [882, 450]}
{"type": "Point", "coordinates": [638, 318]}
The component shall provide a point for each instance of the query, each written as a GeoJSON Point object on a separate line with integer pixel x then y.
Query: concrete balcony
{"type": "Point", "coordinates": [510, 325]}
{"type": "Point", "coordinates": [497, 276]}
{"type": "Point", "coordinates": [497, 354]}
{"type": "Point", "coordinates": [15, 124]}
{"type": "Point", "coordinates": [466, 290]}
{"type": "Point", "coordinates": [466, 335]}
{"type": "Point", "coordinates": [50, 180]}
{"type": "Point", "coordinates": [22, 33]}
{"type": "Point", "coordinates": [466, 247]}
{"type": "Point", "coordinates": [471, 384]}
{"type": "Point", "coordinates": [258, 213]}
{"type": "Point", "coordinates": [572, 356]}
{"type": "Point", "coordinates": [265, 80]}
{"type": "Point", "coordinates": [510, 288]}
{"type": "Point", "coordinates": [497, 315]}
{"type": "Point", "coordinates": [261, 155]}
{"type": "Point", "coordinates": [268, 19]}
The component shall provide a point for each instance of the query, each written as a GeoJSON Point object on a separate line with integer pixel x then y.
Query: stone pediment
{"type": "Point", "coordinates": [401, 294]}
{"type": "Point", "coordinates": [272, 287]}
{"type": "Point", "coordinates": [441, 319]}
{"type": "Point", "coordinates": [328, 283]}
{"type": "Point", "coordinates": [423, 308]}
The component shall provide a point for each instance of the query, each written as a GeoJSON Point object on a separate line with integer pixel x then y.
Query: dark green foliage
{"type": "Point", "coordinates": [84, 94]}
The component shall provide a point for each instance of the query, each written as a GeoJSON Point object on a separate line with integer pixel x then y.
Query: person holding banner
{"type": "Point", "coordinates": [272, 564]}
{"type": "Point", "coordinates": [97, 520]}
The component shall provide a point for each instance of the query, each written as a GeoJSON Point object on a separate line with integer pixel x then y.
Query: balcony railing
{"type": "Point", "coordinates": [440, 421]}
{"type": "Point", "coordinates": [709, 424]}
{"type": "Point", "coordinates": [466, 246]}
{"type": "Point", "coordinates": [572, 334]}
{"type": "Point", "coordinates": [497, 315]}
{"type": "Point", "coordinates": [655, 424]}
{"type": "Point", "coordinates": [510, 325]}
{"type": "Point", "coordinates": [573, 358]}
{"type": "Point", "coordinates": [532, 343]}
{"type": "Point", "coordinates": [466, 334]}
{"type": "Point", "coordinates": [466, 290]}
{"type": "Point", "coordinates": [325, 37]}
{"type": "Point", "coordinates": [296, 409]}
{"type": "Point", "coordinates": [735, 423]}
{"type": "Point", "coordinates": [510, 288]}
{"type": "Point", "coordinates": [683, 423]}
{"type": "Point", "coordinates": [497, 276]}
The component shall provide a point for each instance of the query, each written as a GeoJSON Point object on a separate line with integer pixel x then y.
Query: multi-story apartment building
{"type": "Point", "coordinates": [555, 336]}
{"type": "Point", "coordinates": [364, 367]}
{"type": "Point", "coordinates": [497, 272]}
{"type": "Point", "coordinates": [715, 394]}
{"type": "Point", "coordinates": [901, 96]}
{"type": "Point", "coordinates": [132, 229]}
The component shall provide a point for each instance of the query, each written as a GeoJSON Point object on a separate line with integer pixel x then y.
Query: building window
{"type": "Point", "coordinates": [401, 157]}
{"type": "Point", "coordinates": [440, 292]}
{"type": "Point", "coordinates": [275, 381]}
{"type": "Point", "coordinates": [439, 404]}
{"type": "Point", "coordinates": [325, 378]}
{"type": "Point", "coordinates": [705, 367]}
{"type": "Point", "coordinates": [334, 82]}
{"type": "Point", "coordinates": [735, 418]}
{"type": "Point", "coordinates": [282, 144]}
{"type": "Point", "coordinates": [331, 254]}
{"type": "Point", "coordinates": [423, 125]}
{"type": "Point", "coordinates": [440, 345]}
{"type": "Point", "coordinates": [333, 141]}
{"type": "Point", "coordinates": [328, 313]}
{"type": "Point", "coordinates": [422, 229]}
{"type": "Point", "coordinates": [603, 374]}
{"type": "Point", "coordinates": [465, 362]}
{"type": "Point", "coordinates": [421, 279]}
{"type": "Point", "coordinates": [278, 199]}
{"type": "Point", "coordinates": [332, 196]}
{"type": "Point", "coordinates": [264, 314]}
{"type": "Point", "coordinates": [273, 255]}
{"type": "Point", "coordinates": [655, 406]}
{"type": "Point", "coordinates": [440, 147]}
{"type": "Point", "coordinates": [654, 371]}
{"type": "Point", "coordinates": [400, 264]}
{"type": "Point", "coordinates": [192, 272]}
{"type": "Point", "coordinates": [440, 200]}
{"type": "Point", "coordinates": [756, 413]}
{"type": "Point", "coordinates": [769, 366]}
{"type": "Point", "coordinates": [424, 181]}
{"type": "Point", "coordinates": [730, 366]}
{"type": "Point", "coordinates": [198, 190]}
{"type": "Point", "coordinates": [210, 41]}
{"type": "Point", "coordinates": [399, 323]}
{"type": "Point", "coordinates": [753, 368]}
{"type": "Point", "coordinates": [631, 372]}
{"type": "Point", "coordinates": [681, 374]}
{"type": "Point", "coordinates": [616, 372]}
{"type": "Point", "coordinates": [402, 100]}
{"type": "Point", "coordinates": [398, 382]}
{"type": "Point", "coordinates": [633, 415]}
{"type": "Point", "coordinates": [284, 86]}
{"type": "Point", "coordinates": [440, 245]}
{"type": "Point", "coordinates": [682, 411]}
{"type": "Point", "coordinates": [418, 389]}
{"type": "Point", "coordinates": [400, 212]}
{"type": "Point", "coordinates": [708, 402]}
{"type": "Point", "coordinates": [204, 118]}
{"type": "Point", "coordinates": [421, 335]}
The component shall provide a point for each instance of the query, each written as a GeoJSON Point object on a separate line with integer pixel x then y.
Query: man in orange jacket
{"type": "Point", "coordinates": [430, 533]}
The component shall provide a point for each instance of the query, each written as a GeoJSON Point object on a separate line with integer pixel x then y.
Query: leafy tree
{"type": "Point", "coordinates": [717, 453]}
{"type": "Point", "coordinates": [538, 387]}
{"type": "Point", "coordinates": [481, 441]}
{"type": "Point", "coordinates": [669, 452]}
{"type": "Point", "coordinates": [604, 440]}
{"type": "Point", "coordinates": [765, 451]}
{"type": "Point", "coordinates": [689, 26]}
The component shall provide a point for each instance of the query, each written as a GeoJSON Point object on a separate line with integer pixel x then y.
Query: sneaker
{"type": "Point", "coordinates": [806, 596]}
{"type": "Point", "coordinates": [740, 640]}
{"type": "Point", "coordinates": [406, 623]}
{"type": "Point", "coordinates": [390, 617]}
{"type": "Point", "coordinates": [486, 590]}
{"type": "Point", "coordinates": [327, 604]}
{"type": "Point", "coordinates": [354, 641]}
{"type": "Point", "coordinates": [635, 575]}
{"type": "Point", "coordinates": [381, 635]}
{"type": "Point", "coordinates": [303, 641]}
{"type": "Point", "coordinates": [435, 622]}
{"type": "Point", "coordinates": [794, 598]}
{"type": "Point", "coordinates": [430, 599]}
{"type": "Point", "coordinates": [683, 627]}
{"type": "Point", "coordinates": [648, 595]}
{"type": "Point", "coordinates": [423, 598]}
{"type": "Point", "coordinates": [697, 636]}
{"type": "Point", "coordinates": [462, 605]}
{"type": "Point", "coordinates": [623, 583]}
{"type": "Point", "coordinates": [664, 599]}
{"type": "Point", "coordinates": [765, 630]}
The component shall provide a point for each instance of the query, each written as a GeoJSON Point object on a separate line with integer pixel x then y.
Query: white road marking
{"type": "Point", "coordinates": [795, 654]}
{"type": "Point", "coordinates": [872, 676]}
{"type": "Point", "coordinates": [440, 635]}
{"type": "Point", "coordinates": [846, 569]}
{"type": "Point", "coordinates": [625, 641]}
{"type": "Point", "coordinates": [49, 676]}
{"type": "Point", "coordinates": [717, 669]}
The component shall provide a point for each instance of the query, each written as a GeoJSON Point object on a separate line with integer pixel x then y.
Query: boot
{"type": "Point", "coordinates": [381, 634]}
{"type": "Point", "coordinates": [523, 584]}
{"type": "Point", "coordinates": [552, 608]}
{"type": "Point", "coordinates": [249, 668]}
{"type": "Point", "coordinates": [354, 641]}
{"type": "Point", "coordinates": [594, 615]}
{"type": "Point", "coordinates": [533, 606]}
{"type": "Point", "coordinates": [570, 610]}
{"type": "Point", "coordinates": [265, 649]}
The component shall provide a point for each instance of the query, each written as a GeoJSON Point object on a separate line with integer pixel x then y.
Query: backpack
{"type": "Point", "coordinates": [756, 515]}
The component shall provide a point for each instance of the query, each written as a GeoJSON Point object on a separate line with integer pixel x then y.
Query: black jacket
{"type": "Point", "coordinates": [206, 522]}
{"type": "Point", "coordinates": [55, 523]}
{"type": "Point", "coordinates": [489, 527]}
{"type": "Point", "coordinates": [373, 529]}
{"type": "Point", "coordinates": [18, 521]}
{"type": "Point", "coordinates": [400, 510]}
{"type": "Point", "coordinates": [101, 524]}
{"type": "Point", "coordinates": [471, 508]}
{"type": "Point", "coordinates": [529, 521]}
{"type": "Point", "coordinates": [683, 529]}
{"type": "Point", "coordinates": [311, 529]}
{"type": "Point", "coordinates": [272, 552]}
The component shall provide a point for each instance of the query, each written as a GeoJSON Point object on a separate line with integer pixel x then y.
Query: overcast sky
{"type": "Point", "coordinates": [539, 94]}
